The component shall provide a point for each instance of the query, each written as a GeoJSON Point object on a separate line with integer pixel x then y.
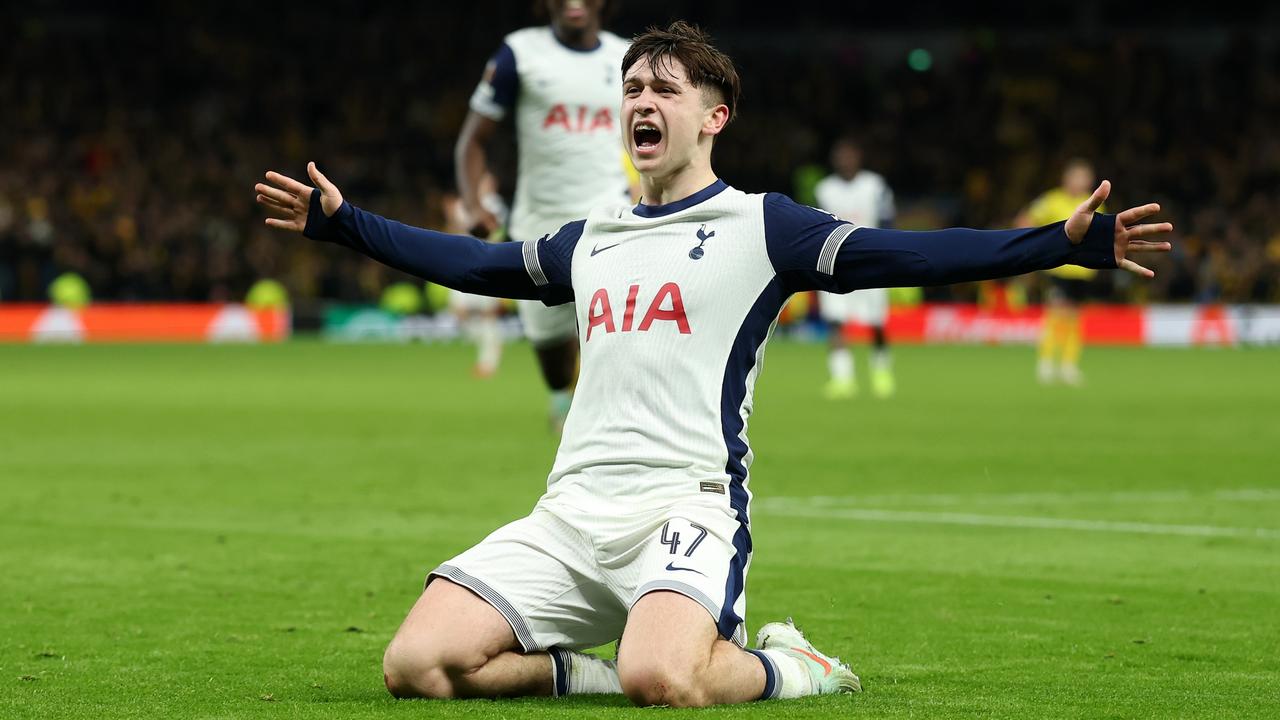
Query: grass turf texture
{"type": "Point", "coordinates": [237, 531]}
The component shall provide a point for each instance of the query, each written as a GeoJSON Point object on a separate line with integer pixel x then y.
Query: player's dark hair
{"type": "Point", "coordinates": [704, 65]}
{"type": "Point", "coordinates": [607, 13]}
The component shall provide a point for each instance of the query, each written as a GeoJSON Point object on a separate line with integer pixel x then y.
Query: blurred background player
{"type": "Point", "coordinates": [478, 315]}
{"type": "Point", "coordinates": [863, 198]}
{"type": "Point", "coordinates": [1062, 332]}
{"type": "Point", "coordinates": [561, 82]}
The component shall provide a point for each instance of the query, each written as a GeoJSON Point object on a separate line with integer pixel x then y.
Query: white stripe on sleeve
{"type": "Point", "coordinates": [531, 265]}
{"type": "Point", "coordinates": [827, 258]}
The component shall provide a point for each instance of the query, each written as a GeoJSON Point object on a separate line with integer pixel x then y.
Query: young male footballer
{"type": "Point", "coordinates": [645, 529]}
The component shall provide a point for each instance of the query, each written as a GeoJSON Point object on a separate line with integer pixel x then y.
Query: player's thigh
{"type": "Point", "coordinates": [545, 325]}
{"type": "Point", "coordinates": [448, 628]}
{"type": "Point", "coordinates": [666, 644]}
{"type": "Point", "coordinates": [540, 574]}
{"type": "Point", "coordinates": [832, 307]}
{"type": "Point", "coordinates": [870, 306]}
{"type": "Point", "coordinates": [703, 555]}
{"type": "Point", "coordinates": [472, 304]}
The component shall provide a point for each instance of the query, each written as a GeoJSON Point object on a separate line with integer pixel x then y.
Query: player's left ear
{"type": "Point", "coordinates": [716, 118]}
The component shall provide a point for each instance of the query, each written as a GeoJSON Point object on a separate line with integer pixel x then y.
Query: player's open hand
{"type": "Point", "coordinates": [1129, 234]}
{"type": "Point", "coordinates": [289, 199]}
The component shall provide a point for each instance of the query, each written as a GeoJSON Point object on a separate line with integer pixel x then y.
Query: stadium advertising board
{"type": "Point", "coordinates": [1157, 325]}
{"type": "Point", "coordinates": [142, 323]}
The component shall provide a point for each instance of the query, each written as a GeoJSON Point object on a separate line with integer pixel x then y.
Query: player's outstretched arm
{"type": "Point", "coordinates": [455, 261]}
{"type": "Point", "coordinates": [1128, 235]}
{"type": "Point", "coordinates": [870, 257]}
{"type": "Point", "coordinates": [290, 200]}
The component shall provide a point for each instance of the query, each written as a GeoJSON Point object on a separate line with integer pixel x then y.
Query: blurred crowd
{"type": "Point", "coordinates": [130, 140]}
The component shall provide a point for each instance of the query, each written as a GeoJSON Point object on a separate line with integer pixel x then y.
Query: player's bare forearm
{"type": "Point", "coordinates": [872, 257]}
{"type": "Point", "coordinates": [456, 261]}
{"type": "Point", "coordinates": [471, 163]}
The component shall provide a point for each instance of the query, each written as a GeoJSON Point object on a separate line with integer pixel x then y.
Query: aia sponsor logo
{"type": "Point", "coordinates": [667, 305]}
{"type": "Point", "coordinates": [578, 119]}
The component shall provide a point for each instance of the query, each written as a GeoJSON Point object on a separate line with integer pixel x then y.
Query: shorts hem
{"type": "Point", "coordinates": [739, 634]}
{"type": "Point", "coordinates": [508, 611]}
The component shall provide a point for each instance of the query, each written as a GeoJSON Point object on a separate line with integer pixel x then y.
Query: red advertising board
{"type": "Point", "coordinates": [142, 323]}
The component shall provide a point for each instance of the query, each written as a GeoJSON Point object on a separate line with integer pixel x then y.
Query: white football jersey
{"type": "Point", "coordinates": [865, 200]}
{"type": "Point", "coordinates": [675, 304]}
{"type": "Point", "coordinates": [569, 140]}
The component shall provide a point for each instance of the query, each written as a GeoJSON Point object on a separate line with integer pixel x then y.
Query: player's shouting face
{"type": "Point", "coordinates": [668, 123]}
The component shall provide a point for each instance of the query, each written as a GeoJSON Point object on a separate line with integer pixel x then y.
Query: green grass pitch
{"type": "Point", "coordinates": [237, 531]}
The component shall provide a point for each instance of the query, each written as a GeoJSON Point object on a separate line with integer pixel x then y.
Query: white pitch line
{"type": "Point", "coordinates": [1248, 494]}
{"type": "Point", "coordinates": [1014, 521]}
{"type": "Point", "coordinates": [1034, 498]}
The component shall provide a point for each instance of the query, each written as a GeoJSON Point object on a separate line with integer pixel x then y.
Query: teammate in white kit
{"type": "Point", "coordinates": [561, 83]}
{"type": "Point", "coordinates": [645, 527]}
{"type": "Point", "coordinates": [863, 198]}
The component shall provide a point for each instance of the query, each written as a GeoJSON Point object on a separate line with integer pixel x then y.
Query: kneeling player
{"type": "Point", "coordinates": [645, 529]}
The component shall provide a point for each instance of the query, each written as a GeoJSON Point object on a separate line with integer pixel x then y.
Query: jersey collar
{"type": "Point", "coordinates": [706, 193]}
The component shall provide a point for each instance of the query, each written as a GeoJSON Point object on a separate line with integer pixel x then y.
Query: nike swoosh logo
{"type": "Point", "coordinates": [672, 566]}
{"type": "Point", "coordinates": [597, 250]}
{"type": "Point", "coordinates": [825, 665]}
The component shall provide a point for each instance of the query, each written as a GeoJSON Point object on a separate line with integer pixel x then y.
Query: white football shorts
{"type": "Point", "coordinates": [565, 578]}
{"type": "Point", "coordinates": [865, 307]}
{"type": "Point", "coordinates": [547, 325]}
{"type": "Point", "coordinates": [466, 302]}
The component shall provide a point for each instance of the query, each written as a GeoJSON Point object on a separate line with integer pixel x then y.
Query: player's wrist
{"type": "Point", "coordinates": [324, 227]}
{"type": "Point", "coordinates": [1097, 250]}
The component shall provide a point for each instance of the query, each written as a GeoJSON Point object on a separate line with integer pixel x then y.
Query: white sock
{"type": "Point", "coordinates": [790, 676]}
{"type": "Point", "coordinates": [840, 364]}
{"type": "Point", "coordinates": [489, 340]}
{"type": "Point", "coordinates": [575, 673]}
{"type": "Point", "coordinates": [880, 359]}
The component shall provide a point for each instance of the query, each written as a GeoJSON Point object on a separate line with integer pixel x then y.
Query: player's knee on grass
{"type": "Point", "coordinates": [449, 635]}
{"type": "Point", "coordinates": [425, 667]}
{"type": "Point", "coordinates": [655, 682]}
{"type": "Point", "coordinates": [411, 672]}
{"type": "Point", "coordinates": [410, 676]}
{"type": "Point", "coordinates": [665, 652]}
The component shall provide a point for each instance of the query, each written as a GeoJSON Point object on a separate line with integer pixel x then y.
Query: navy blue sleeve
{"type": "Point", "coordinates": [550, 263]}
{"type": "Point", "coordinates": [796, 236]}
{"type": "Point", "coordinates": [812, 250]}
{"type": "Point", "coordinates": [499, 87]}
{"type": "Point", "coordinates": [456, 261]}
